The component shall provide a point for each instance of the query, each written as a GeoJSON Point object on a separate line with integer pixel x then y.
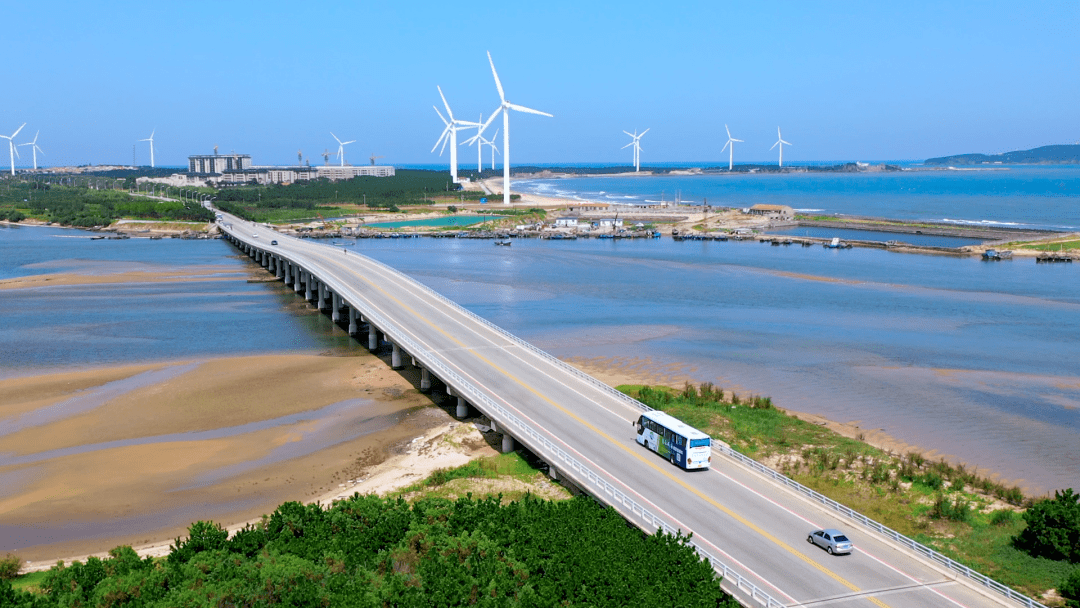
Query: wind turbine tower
{"type": "Point", "coordinates": [35, 149]}
{"type": "Point", "coordinates": [780, 142]}
{"type": "Point", "coordinates": [637, 147]}
{"type": "Point", "coordinates": [505, 108]}
{"type": "Point", "coordinates": [151, 140]}
{"type": "Point", "coordinates": [341, 148]}
{"type": "Point", "coordinates": [730, 147]}
{"type": "Point", "coordinates": [449, 134]}
{"type": "Point", "coordinates": [11, 146]}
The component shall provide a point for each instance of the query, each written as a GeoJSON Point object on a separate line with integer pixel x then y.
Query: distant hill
{"type": "Point", "coordinates": [1046, 155]}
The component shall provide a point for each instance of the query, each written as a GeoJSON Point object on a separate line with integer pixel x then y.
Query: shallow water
{"type": "Point", "coordinates": [975, 360]}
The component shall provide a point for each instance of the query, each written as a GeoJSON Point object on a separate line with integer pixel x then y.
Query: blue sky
{"type": "Point", "coordinates": [844, 80]}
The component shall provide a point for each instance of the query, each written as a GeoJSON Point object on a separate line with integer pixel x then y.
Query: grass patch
{"type": "Point", "coordinates": [1055, 246]}
{"type": "Point", "coordinates": [511, 465]}
{"type": "Point", "coordinates": [29, 582]}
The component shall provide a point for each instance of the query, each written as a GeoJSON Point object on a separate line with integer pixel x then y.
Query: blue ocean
{"type": "Point", "coordinates": [1024, 197]}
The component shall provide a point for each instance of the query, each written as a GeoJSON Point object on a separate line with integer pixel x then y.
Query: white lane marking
{"type": "Point", "coordinates": [815, 525]}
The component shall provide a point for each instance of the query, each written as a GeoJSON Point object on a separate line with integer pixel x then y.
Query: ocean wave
{"type": "Point", "coordinates": [983, 222]}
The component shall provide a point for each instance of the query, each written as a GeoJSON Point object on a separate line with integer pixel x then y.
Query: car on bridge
{"type": "Point", "coordinates": [273, 242]}
{"type": "Point", "coordinates": [832, 540]}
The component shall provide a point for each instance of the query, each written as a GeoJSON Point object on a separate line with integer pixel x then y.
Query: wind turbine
{"type": "Point", "coordinates": [11, 146]}
{"type": "Point", "coordinates": [35, 148]}
{"type": "Point", "coordinates": [449, 134]}
{"type": "Point", "coordinates": [505, 108]}
{"type": "Point", "coordinates": [480, 142]}
{"type": "Point", "coordinates": [780, 142]}
{"type": "Point", "coordinates": [151, 140]}
{"type": "Point", "coordinates": [637, 146]}
{"type": "Point", "coordinates": [731, 152]}
{"type": "Point", "coordinates": [341, 148]}
{"type": "Point", "coordinates": [494, 148]}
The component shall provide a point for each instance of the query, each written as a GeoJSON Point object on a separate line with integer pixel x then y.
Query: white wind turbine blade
{"type": "Point", "coordinates": [776, 144]}
{"type": "Point", "coordinates": [738, 140]}
{"type": "Point", "coordinates": [17, 131]}
{"type": "Point", "coordinates": [352, 141]}
{"type": "Point", "coordinates": [448, 111]}
{"type": "Point", "coordinates": [629, 133]}
{"type": "Point", "coordinates": [786, 143]}
{"type": "Point", "coordinates": [728, 143]}
{"type": "Point", "coordinates": [335, 138]}
{"type": "Point", "coordinates": [14, 148]}
{"type": "Point", "coordinates": [446, 122]}
{"type": "Point", "coordinates": [442, 137]}
{"type": "Point", "coordinates": [728, 132]}
{"type": "Point", "coordinates": [514, 106]}
{"type": "Point", "coordinates": [644, 132]}
{"type": "Point", "coordinates": [628, 145]}
{"type": "Point", "coordinates": [498, 84]}
{"type": "Point", "coordinates": [490, 119]}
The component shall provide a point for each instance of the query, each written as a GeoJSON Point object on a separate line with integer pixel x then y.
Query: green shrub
{"type": "Point", "coordinates": [1070, 589]}
{"type": "Point", "coordinates": [957, 509]}
{"type": "Point", "coordinates": [10, 566]}
{"type": "Point", "coordinates": [1002, 517]}
{"type": "Point", "coordinates": [1053, 527]}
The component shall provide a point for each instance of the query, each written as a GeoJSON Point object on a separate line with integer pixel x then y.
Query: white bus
{"type": "Point", "coordinates": [675, 440]}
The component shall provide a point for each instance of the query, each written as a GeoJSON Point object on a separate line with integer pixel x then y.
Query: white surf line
{"type": "Point", "coordinates": [495, 396]}
{"type": "Point", "coordinates": [925, 585]}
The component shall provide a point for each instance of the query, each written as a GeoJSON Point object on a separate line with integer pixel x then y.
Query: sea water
{"type": "Point", "coordinates": [1025, 197]}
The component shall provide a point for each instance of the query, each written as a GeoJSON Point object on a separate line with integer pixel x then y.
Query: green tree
{"type": "Point", "coordinates": [1053, 527]}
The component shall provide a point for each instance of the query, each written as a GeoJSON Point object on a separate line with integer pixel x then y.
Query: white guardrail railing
{"type": "Point", "coordinates": [619, 498]}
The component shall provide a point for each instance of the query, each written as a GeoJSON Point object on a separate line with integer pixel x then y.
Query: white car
{"type": "Point", "coordinates": [254, 236]}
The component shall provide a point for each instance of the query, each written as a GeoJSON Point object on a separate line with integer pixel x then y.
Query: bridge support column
{"type": "Point", "coordinates": [494, 427]}
{"type": "Point", "coordinates": [279, 271]}
{"type": "Point", "coordinates": [335, 308]}
{"type": "Point", "coordinates": [264, 259]}
{"type": "Point", "coordinates": [462, 407]}
{"type": "Point", "coordinates": [553, 473]}
{"type": "Point", "coordinates": [322, 296]}
{"type": "Point", "coordinates": [307, 286]}
{"type": "Point", "coordinates": [372, 338]}
{"type": "Point", "coordinates": [352, 321]}
{"type": "Point", "coordinates": [298, 276]}
{"type": "Point", "coordinates": [286, 272]}
{"type": "Point", "coordinates": [425, 380]}
{"type": "Point", "coordinates": [507, 443]}
{"type": "Point", "coordinates": [395, 357]}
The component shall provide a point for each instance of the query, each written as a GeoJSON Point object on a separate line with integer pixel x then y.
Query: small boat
{"type": "Point", "coordinates": [505, 243]}
{"type": "Point", "coordinates": [836, 243]}
{"type": "Point", "coordinates": [994, 255]}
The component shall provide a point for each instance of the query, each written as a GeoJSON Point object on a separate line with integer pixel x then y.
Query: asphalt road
{"type": "Point", "coordinates": [751, 523]}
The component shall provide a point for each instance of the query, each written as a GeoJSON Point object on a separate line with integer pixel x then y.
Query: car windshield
{"type": "Point", "coordinates": [840, 538]}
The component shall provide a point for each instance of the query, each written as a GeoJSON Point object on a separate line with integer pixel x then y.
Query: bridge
{"type": "Point", "coordinates": [750, 522]}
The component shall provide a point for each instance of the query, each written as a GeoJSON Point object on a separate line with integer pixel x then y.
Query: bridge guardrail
{"type": "Point", "coordinates": [608, 489]}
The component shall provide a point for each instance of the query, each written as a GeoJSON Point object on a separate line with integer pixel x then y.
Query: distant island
{"type": "Point", "coordinates": [1046, 155]}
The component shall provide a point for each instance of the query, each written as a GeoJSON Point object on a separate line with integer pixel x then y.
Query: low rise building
{"type": "Point", "coordinates": [773, 212]}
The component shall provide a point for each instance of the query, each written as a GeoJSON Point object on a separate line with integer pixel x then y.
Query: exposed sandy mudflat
{"type": "Point", "coordinates": [224, 439]}
{"type": "Point", "coordinates": [224, 273]}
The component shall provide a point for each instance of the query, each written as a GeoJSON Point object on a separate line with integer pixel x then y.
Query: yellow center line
{"type": "Point", "coordinates": [636, 454]}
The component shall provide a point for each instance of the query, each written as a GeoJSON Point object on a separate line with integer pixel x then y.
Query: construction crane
{"type": "Point", "coordinates": [326, 157]}
{"type": "Point", "coordinates": [299, 157]}
{"type": "Point", "coordinates": [373, 158]}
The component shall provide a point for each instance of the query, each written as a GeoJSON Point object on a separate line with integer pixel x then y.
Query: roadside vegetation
{"type": "Point", "coordinates": [85, 207]}
{"type": "Point", "coordinates": [971, 518]}
{"type": "Point", "coordinates": [430, 550]}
